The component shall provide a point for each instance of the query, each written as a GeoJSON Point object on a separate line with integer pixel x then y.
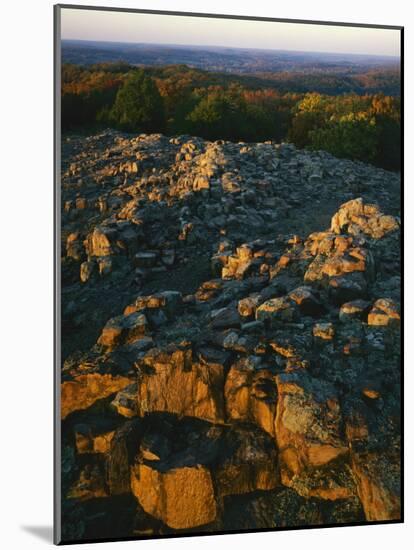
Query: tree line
{"type": "Point", "coordinates": [180, 100]}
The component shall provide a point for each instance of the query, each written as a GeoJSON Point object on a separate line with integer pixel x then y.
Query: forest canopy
{"type": "Point", "coordinates": [180, 100]}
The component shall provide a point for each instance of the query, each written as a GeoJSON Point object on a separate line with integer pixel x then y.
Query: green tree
{"type": "Point", "coordinates": [138, 105]}
{"type": "Point", "coordinates": [354, 137]}
{"type": "Point", "coordinates": [220, 114]}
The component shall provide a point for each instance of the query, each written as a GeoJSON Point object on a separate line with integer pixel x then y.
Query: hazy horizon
{"type": "Point", "coordinates": [141, 28]}
{"type": "Point", "coordinates": [206, 46]}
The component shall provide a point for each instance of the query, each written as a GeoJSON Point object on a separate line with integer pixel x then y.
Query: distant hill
{"type": "Point", "coordinates": [233, 60]}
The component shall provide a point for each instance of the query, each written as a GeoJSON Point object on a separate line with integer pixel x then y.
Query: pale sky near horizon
{"type": "Point", "coordinates": [202, 31]}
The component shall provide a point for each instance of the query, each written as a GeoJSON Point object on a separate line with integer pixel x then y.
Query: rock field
{"type": "Point", "coordinates": [230, 337]}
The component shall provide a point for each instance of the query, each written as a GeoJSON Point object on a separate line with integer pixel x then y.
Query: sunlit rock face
{"type": "Point", "coordinates": [174, 382]}
{"type": "Point", "coordinates": [356, 217]}
{"type": "Point", "coordinates": [84, 390]}
{"type": "Point", "coordinates": [92, 377]}
{"type": "Point", "coordinates": [250, 394]}
{"type": "Point", "coordinates": [181, 498]}
{"type": "Point", "coordinates": [230, 337]}
{"type": "Point", "coordinates": [313, 454]}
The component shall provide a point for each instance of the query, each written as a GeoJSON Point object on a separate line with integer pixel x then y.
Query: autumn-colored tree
{"type": "Point", "coordinates": [177, 99]}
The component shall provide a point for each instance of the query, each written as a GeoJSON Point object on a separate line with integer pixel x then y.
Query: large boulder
{"type": "Point", "coordinates": [181, 497]}
{"type": "Point", "coordinates": [173, 381]}
{"type": "Point", "coordinates": [308, 431]}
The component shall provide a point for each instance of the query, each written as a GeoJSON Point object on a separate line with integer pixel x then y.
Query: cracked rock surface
{"type": "Point", "coordinates": [230, 337]}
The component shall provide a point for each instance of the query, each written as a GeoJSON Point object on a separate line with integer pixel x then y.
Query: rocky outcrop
{"type": "Point", "coordinates": [355, 217]}
{"type": "Point", "coordinates": [231, 336]}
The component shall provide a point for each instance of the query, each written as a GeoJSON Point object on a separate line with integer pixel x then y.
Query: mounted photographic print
{"type": "Point", "coordinates": [228, 274]}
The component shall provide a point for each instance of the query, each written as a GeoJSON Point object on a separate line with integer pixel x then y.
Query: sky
{"type": "Point", "coordinates": [168, 29]}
